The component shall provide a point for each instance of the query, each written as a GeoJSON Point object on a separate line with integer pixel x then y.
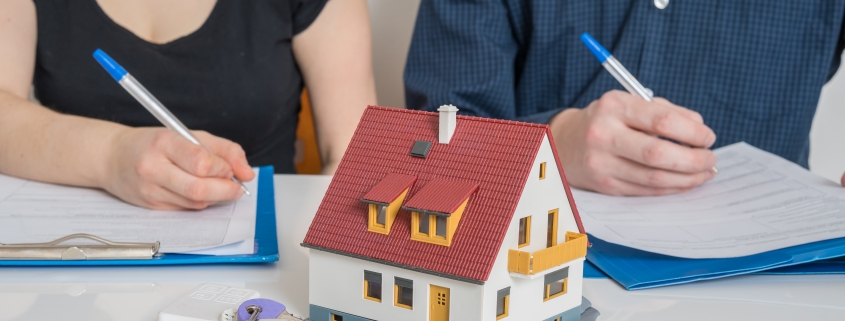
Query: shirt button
{"type": "Point", "coordinates": [661, 4]}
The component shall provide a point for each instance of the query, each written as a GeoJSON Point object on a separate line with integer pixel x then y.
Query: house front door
{"type": "Point", "coordinates": [438, 303]}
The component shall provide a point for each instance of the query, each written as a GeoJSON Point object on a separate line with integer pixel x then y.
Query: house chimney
{"type": "Point", "coordinates": [448, 122]}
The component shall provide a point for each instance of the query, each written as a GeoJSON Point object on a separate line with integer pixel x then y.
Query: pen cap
{"type": "Point", "coordinates": [116, 71]}
{"type": "Point", "coordinates": [597, 49]}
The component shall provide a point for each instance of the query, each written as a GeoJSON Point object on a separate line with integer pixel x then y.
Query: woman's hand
{"type": "Point", "coordinates": [159, 169]}
{"type": "Point", "coordinates": [613, 146]}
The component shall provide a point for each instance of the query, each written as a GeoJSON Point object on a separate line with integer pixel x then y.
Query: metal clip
{"type": "Point", "coordinates": [107, 250]}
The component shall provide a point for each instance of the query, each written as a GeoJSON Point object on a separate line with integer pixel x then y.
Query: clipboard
{"type": "Point", "coordinates": [266, 242]}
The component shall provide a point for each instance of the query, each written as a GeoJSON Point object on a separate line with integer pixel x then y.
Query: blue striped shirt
{"type": "Point", "coordinates": [753, 68]}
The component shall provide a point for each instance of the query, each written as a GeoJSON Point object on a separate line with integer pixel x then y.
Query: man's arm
{"type": "Point", "coordinates": [463, 53]}
{"type": "Point", "coordinates": [335, 56]}
{"type": "Point", "coordinates": [466, 53]}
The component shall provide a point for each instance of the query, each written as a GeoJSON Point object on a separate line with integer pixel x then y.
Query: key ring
{"type": "Point", "coordinates": [256, 309]}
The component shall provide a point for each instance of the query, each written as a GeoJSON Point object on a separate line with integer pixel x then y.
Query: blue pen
{"type": "Point", "coordinates": [149, 102]}
{"type": "Point", "coordinates": [615, 68]}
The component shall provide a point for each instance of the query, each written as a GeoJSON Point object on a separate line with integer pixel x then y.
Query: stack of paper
{"type": "Point", "coordinates": [33, 212]}
{"type": "Point", "coordinates": [757, 203]}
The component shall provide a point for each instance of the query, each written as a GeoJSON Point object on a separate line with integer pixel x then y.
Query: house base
{"type": "Point", "coordinates": [318, 313]}
{"type": "Point", "coordinates": [573, 314]}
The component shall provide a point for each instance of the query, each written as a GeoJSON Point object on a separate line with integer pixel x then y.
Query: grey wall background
{"type": "Point", "coordinates": [393, 24]}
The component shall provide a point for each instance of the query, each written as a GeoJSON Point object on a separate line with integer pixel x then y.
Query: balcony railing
{"type": "Point", "coordinates": [527, 263]}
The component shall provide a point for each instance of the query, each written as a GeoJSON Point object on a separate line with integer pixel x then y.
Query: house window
{"type": "Point", "coordinates": [502, 301]}
{"type": "Point", "coordinates": [555, 284]}
{"type": "Point", "coordinates": [380, 213]}
{"type": "Point", "coordinates": [372, 286]}
{"type": "Point", "coordinates": [436, 210]}
{"type": "Point", "coordinates": [431, 225]}
{"type": "Point", "coordinates": [525, 231]}
{"type": "Point", "coordinates": [436, 228]}
{"type": "Point", "coordinates": [551, 237]}
{"type": "Point", "coordinates": [403, 293]}
{"type": "Point", "coordinates": [381, 216]}
{"type": "Point", "coordinates": [336, 317]}
{"type": "Point", "coordinates": [440, 226]}
{"type": "Point", "coordinates": [384, 201]}
{"type": "Point", "coordinates": [543, 170]}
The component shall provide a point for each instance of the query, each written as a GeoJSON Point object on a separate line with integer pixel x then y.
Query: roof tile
{"type": "Point", "coordinates": [442, 195]}
{"type": "Point", "coordinates": [389, 188]}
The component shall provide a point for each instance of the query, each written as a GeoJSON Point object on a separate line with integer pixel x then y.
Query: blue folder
{"type": "Point", "coordinates": [636, 269]}
{"type": "Point", "coordinates": [266, 244]}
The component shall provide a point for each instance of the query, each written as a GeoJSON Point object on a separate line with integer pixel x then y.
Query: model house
{"type": "Point", "coordinates": [436, 217]}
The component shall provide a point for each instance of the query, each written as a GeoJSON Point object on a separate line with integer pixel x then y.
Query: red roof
{"type": "Point", "coordinates": [389, 188]}
{"type": "Point", "coordinates": [495, 154]}
{"type": "Point", "coordinates": [441, 196]}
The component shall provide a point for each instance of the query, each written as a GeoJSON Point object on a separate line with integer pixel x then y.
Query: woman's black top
{"type": "Point", "coordinates": [234, 77]}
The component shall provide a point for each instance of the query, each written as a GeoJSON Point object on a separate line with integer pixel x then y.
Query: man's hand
{"type": "Point", "coordinates": [612, 146]}
{"type": "Point", "coordinates": [159, 169]}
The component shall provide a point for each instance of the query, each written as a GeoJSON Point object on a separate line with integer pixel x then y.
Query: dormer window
{"type": "Point", "coordinates": [436, 210]}
{"type": "Point", "coordinates": [384, 200]}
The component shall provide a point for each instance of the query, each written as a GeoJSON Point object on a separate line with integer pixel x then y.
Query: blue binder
{"type": "Point", "coordinates": [636, 269]}
{"type": "Point", "coordinates": [267, 246]}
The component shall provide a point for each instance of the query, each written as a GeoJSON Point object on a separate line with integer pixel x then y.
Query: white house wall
{"type": "Point", "coordinates": [337, 282]}
{"type": "Point", "coordinates": [526, 298]}
{"type": "Point", "coordinates": [538, 198]}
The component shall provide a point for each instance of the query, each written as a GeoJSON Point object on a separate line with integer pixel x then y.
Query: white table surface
{"type": "Point", "coordinates": [138, 293]}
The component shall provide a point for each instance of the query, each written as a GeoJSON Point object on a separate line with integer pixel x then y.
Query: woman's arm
{"type": "Point", "coordinates": [149, 167]}
{"type": "Point", "coordinates": [335, 56]}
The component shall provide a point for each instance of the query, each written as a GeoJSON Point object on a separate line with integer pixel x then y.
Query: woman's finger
{"type": "Point", "coordinates": [200, 189]}
{"type": "Point", "coordinates": [229, 151]}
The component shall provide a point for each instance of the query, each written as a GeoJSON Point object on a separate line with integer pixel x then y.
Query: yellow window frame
{"type": "Point", "coordinates": [553, 228]}
{"type": "Point", "coordinates": [391, 210]}
{"type": "Point", "coordinates": [431, 237]}
{"type": "Point", "coordinates": [507, 308]}
{"type": "Point", "coordinates": [527, 232]}
{"type": "Point", "coordinates": [334, 317]}
{"type": "Point", "coordinates": [542, 170]}
{"type": "Point", "coordinates": [396, 298]}
{"type": "Point", "coordinates": [367, 291]}
{"type": "Point", "coordinates": [548, 296]}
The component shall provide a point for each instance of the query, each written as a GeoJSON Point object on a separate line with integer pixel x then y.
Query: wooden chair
{"type": "Point", "coordinates": [307, 158]}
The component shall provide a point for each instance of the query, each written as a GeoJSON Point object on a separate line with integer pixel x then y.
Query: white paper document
{"type": "Point", "coordinates": [33, 212]}
{"type": "Point", "coordinates": [758, 202]}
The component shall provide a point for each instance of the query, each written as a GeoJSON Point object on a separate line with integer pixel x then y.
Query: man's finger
{"type": "Point", "coordinates": [662, 154]}
{"type": "Point", "coordinates": [231, 152]}
{"type": "Point", "coordinates": [843, 180]}
{"type": "Point", "coordinates": [672, 122]}
{"type": "Point", "coordinates": [632, 172]}
{"type": "Point", "coordinates": [688, 113]}
{"type": "Point", "coordinates": [208, 189]}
